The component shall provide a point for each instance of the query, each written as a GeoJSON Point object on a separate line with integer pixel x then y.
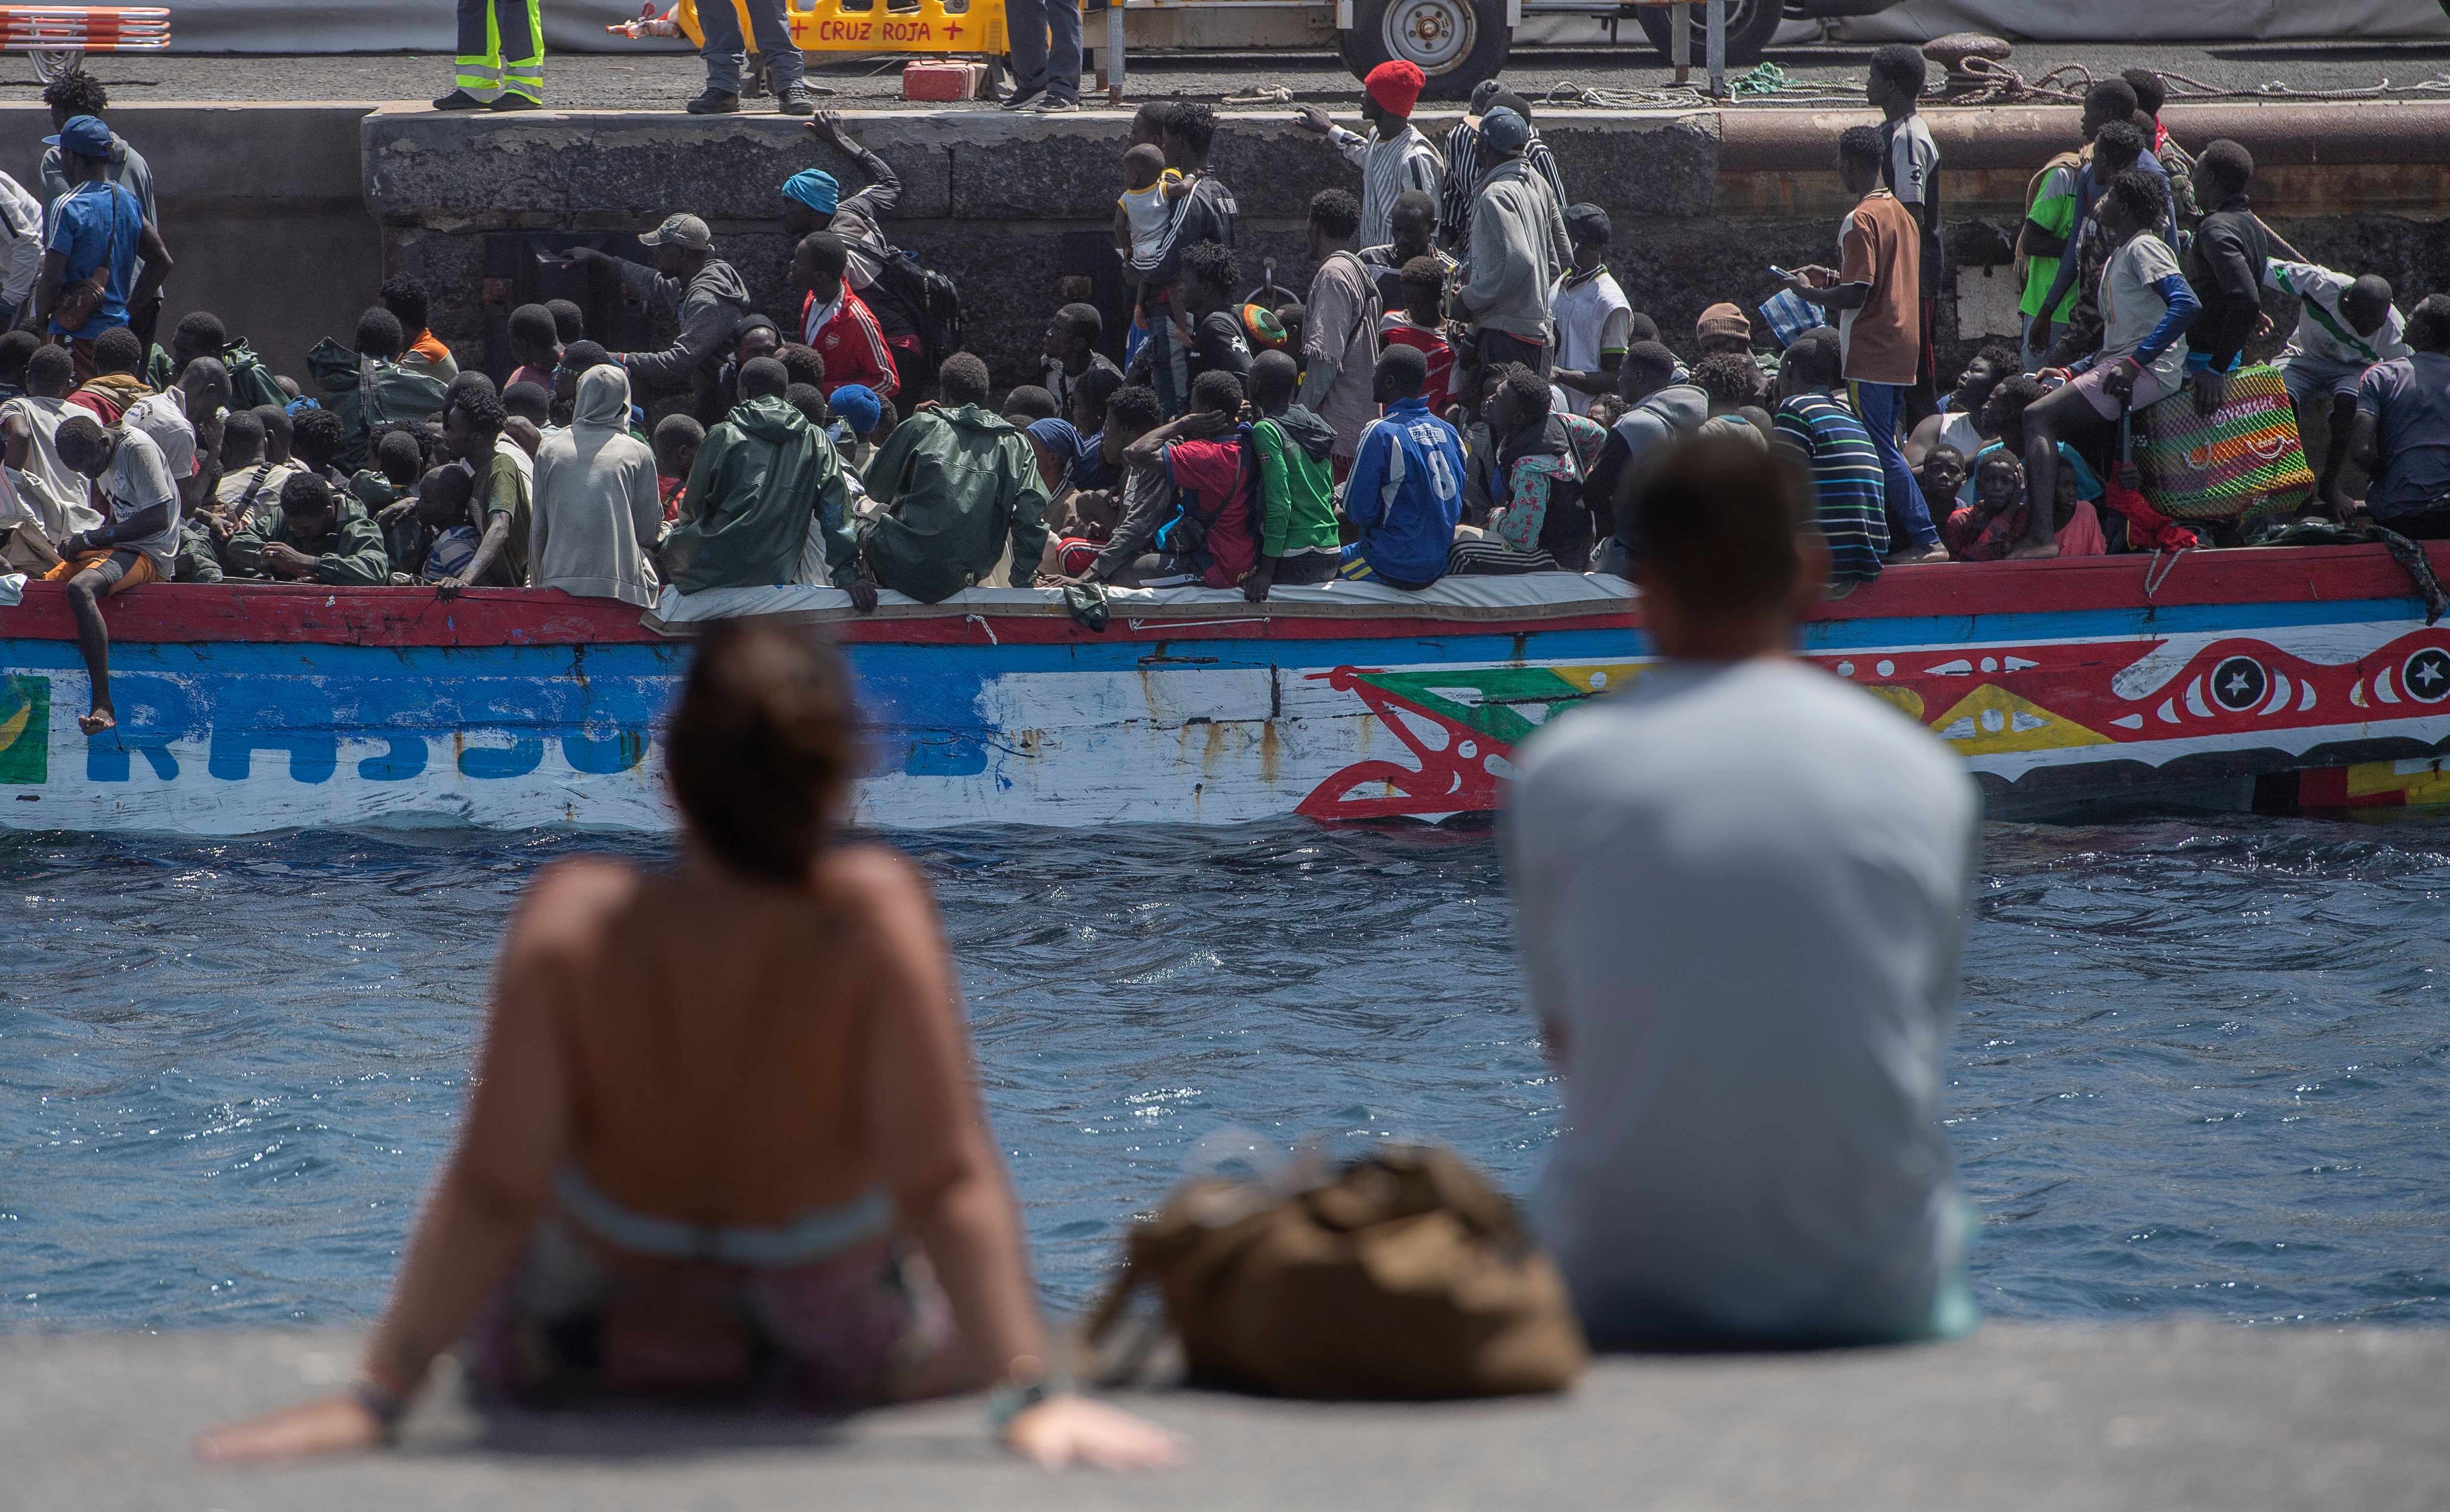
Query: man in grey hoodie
{"type": "Point", "coordinates": [707, 293]}
{"type": "Point", "coordinates": [1664, 411]}
{"type": "Point", "coordinates": [1511, 262]}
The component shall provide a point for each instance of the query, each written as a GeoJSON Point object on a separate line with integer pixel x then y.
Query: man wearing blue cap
{"type": "Point", "coordinates": [813, 201]}
{"type": "Point", "coordinates": [500, 64]}
{"type": "Point", "coordinates": [99, 233]}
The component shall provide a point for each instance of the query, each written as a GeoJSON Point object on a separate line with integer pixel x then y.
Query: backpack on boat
{"type": "Point", "coordinates": [251, 383]}
{"type": "Point", "coordinates": [927, 299]}
{"type": "Point", "coordinates": [2241, 462]}
{"type": "Point", "coordinates": [1404, 1277]}
{"type": "Point", "coordinates": [365, 393]}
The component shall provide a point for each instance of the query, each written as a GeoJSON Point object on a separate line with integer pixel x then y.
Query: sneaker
{"type": "Point", "coordinates": [458, 100]}
{"type": "Point", "coordinates": [797, 101]}
{"type": "Point", "coordinates": [507, 101]}
{"type": "Point", "coordinates": [1051, 106]}
{"type": "Point", "coordinates": [714, 102]}
{"type": "Point", "coordinates": [1018, 99]}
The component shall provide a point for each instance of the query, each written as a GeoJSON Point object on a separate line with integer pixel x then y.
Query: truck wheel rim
{"type": "Point", "coordinates": [1437, 35]}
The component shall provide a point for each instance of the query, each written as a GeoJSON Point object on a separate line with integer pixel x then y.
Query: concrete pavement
{"type": "Point", "coordinates": [2157, 1417]}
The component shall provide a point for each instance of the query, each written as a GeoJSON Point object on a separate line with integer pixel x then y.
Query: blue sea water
{"type": "Point", "coordinates": [2198, 1071]}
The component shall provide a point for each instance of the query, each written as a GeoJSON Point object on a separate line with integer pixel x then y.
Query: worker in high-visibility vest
{"type": "Point", "coordinates": [501, 57]}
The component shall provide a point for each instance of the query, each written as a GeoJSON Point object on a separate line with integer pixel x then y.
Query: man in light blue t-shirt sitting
{"type": "Point", "coordinates": [1740, 888]}
{"type": "Point", "coordinates": [95, 228]}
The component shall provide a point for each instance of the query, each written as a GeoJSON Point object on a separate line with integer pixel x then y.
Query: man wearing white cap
{"type": "Point", "coordinates": [709, 297]}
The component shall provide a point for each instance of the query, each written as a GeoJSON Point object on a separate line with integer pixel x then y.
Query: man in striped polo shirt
{"type": "Point", "coordinates": [1394, 157]}
{"type": "Point", "coordinates": [1813, 426]}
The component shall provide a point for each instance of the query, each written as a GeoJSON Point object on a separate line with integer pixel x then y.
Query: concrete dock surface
{"type": "Point", "coordinates": [2159, 1417]}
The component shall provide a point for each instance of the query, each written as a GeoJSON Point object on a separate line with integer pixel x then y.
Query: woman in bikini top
{"type": "Point", "coordinates": [723, 1138]}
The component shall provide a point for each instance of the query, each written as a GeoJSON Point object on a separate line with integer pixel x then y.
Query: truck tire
{"type": "Point", "coordinates": [1456, 43]}
{"type": "Point", "coordinates": [1750, 25]}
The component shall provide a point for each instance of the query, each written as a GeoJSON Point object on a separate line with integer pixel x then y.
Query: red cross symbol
{"type": "Point", "coordinates": [954, 29]}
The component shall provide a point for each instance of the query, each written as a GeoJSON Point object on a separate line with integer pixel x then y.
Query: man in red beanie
{"type": "Point", "coordinates": [1393, 157]}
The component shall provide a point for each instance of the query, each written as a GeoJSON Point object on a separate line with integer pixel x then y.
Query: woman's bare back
{"type": "Point", "coordinates": [713, 1032]}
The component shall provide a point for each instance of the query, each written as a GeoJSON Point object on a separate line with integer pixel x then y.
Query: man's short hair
{"type": "Point", "coordinates": [826, 252]}
{"type": "Point", "coordinates": [1195, 124]}
{"type": "Point", "coordinates": [1901, 65]}
{"type": "Point", "coordinates": [1218, 391]}
{"type": "Point", "coordinates": [2427, 326]}
{"type": "Point", "coordinates": [1526, 391]}
{"type": "Point", "coordinates": [1134, 408]}
{"type": "Point", "coordinates": [1860, 144]}
{"type": "Point", "coordinates": [529, 402]}
{"type": "Point", "coordinates": [1031, 402]}
{"type": "Point", "coordinates": [569, 320]}
{"type": "Point", "coordinates": [963, 380]}
{"type": "Point", "coordinates": [1093, 389]}
{"type": "Point", "coordinates": [1212, 263]}
{"type": "Point", "coordinates": [2007, 405]}
{"type": "Point", "coordinates": [1719, 520]}
{"type": "Point", "coordinates": [80, 436]}
{"type": "Point", "coordinates": [1425, 280]}
{"type": "Point", "coordinates": [803, 363]}
{"type": "Point", "coordinates": [453, 485]}
{"type": "Point", "coordinates": [2151, 93]}
{"type": "Point", "coordinates": [1815, 357]}
{"type": "Point", "coordinates": [2110, 99]}
{"type": "Point", "coordinates": [2228, 162]}
{"type": "Point", "coordinates": [1640, 327]}
{"type": "Point", "coordinates": [2115, 146]}
{"type": "Point", "coordinates": [582, 354]}
{"type": "Point", "coordinates": [1650, 361]}
{"type": "Point", "coordinates": [1335, 212]}
{"type": "Point", "coordinates": [202, 332]}
{"type": "Point", "coordinates": [1731, 378]}
{"type": "Point", "coordinates": [243, 425]}
{"type": "Point", "coordinates": [1274, 377]}
{"type": "Point", "coordinates": [1419, 203]}
{"type": "Point", "coordinates": [403, 294]}
{"type": "Point", "coordinates": [276, 422]}
{"type": "Point", "coordinates": [118, 349]}
{"type": "Point", "coordinates": [807, 399]}
{"type": "Point", "coordinates": [1082, 321]}
{"type": "Point", "coordinates": [672, 432]}
{"type": "Point", "coordinates": [77, 92]}
{"type": "Point", "coordinates": [306, 494]}
{"type": "Point", "coordinates": [762, 378]}
{"type": "Point", "coordinates": [2140, 196]}
{"type": "Point", "coordinates": [532, 325]}
{"type": "Point", "coordinates": [1400, 374]}
{"type": "Point", "coordinates": [380, 335]}
{"type": "Point", "coordinates": [400, 454]}
{"type": "Point", "coordinates": [2003, 360]}
{"type": "Point", "coordinates": [317, 438]}
{"type": "Point", "coordinates": [482, 406]}
{"type": "Point", "coordinates": [16, 348]}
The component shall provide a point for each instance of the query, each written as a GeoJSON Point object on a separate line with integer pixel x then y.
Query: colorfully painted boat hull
{"type": "Point", "coordinates": [2069, 686]}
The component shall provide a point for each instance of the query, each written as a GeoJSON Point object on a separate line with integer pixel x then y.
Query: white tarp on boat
{"type": "Point", "coordinates": [1453, 598]}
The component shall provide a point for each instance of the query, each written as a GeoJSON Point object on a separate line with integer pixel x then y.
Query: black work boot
{"type": "Point", "coordinates": [714, 102]}
{"type": "Point", "coordinates": [798, 101]}
{"type": "Point", "coordinates": [507, 101]}
{"type": "Point", "coordinates": [460, 100]}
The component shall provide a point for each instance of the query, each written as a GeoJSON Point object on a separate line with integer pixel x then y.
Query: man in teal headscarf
{"type": "Point", "coordinates": [813, 201]}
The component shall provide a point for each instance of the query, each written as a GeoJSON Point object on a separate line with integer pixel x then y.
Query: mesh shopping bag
{"type": "Point", "coordinates": [2241, 461]}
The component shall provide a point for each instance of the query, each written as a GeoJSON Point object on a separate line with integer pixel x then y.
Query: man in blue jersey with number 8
{"type": "Point", "coordinates": [1405, 494]}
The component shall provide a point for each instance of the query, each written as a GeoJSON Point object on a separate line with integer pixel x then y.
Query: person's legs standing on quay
{"type": "Point", "coordinates": [500, 64]}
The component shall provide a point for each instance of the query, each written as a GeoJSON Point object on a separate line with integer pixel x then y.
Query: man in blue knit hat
{"type": "Point", "coordinates": [813, 201]}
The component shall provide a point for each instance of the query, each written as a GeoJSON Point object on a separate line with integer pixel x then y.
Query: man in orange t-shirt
{"type": "Point", "coordinates": [1876, 295]}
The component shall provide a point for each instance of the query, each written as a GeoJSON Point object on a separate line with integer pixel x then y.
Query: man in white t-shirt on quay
{"type": "Point", "coordinates": [1594, 319]}
{"type": "Point", "coordinates": [1740, 889]}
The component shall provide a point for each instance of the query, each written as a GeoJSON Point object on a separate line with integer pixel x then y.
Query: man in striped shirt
{"type": "Point", "coordinates": [1814, 428]}
{"type": "Point", "coordinates": [1467, 161]}
{"type": "Point", "coordinates": [1394, 157]}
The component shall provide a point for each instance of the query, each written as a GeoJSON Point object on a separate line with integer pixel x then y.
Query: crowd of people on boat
{"type": "Point", "coordinates": [1463, 389]}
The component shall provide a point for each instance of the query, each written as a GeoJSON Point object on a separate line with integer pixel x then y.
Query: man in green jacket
{"type": "Point", "coordinates": [762, 474]}
{"type": "Point", "coordinates": [955, 483]}
{"type": "Point", "coordinates": [316, 536]}
{"type": "Point", "coordinates": [1298, 543]}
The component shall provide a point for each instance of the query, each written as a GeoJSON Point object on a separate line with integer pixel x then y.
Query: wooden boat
{"type": "Point", "coordinates": [2215, 680]}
